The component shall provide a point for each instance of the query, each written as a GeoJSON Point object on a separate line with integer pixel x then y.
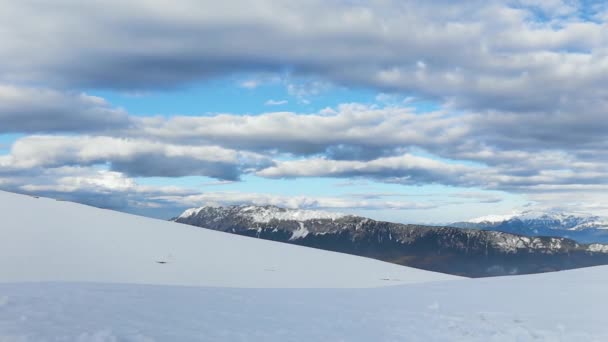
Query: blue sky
{"type": "Point", "coordinates": [233, 95]}
{"type": "Point", "coordinates": [404, 111]}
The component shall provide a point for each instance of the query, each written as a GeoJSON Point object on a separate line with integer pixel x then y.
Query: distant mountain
{"type": "Point", "coordinates": [468, 252]}
{"type": "Point", "coordinates": [582, 228]}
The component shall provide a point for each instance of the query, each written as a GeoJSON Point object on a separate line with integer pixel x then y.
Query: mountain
{"type": "Point", "coordinates": [581, 228]}
{"type": "Point", "coordinates": [71, 272]}
{"type": "Point", "coordinates": [466, 252]}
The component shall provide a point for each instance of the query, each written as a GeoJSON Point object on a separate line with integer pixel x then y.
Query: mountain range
{"type": "Point", "coordinates": [579, 227]}
{"type": "Point", "coordinates": [458, 251]}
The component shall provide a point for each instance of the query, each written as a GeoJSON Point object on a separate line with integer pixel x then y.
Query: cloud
{"type": "Point", "coordinates": [388, 144]}
{"type": "Point", "coordinates": [97, 187]}
{"type": "Point", "coordinates": [29, 110]}
{"type": "Point", "coordinates": [131, 156]}
{"type": "Point", "coordinates": [350, 131]}
{"type": "Point", "coordinates": [295, 202]}
{"type": "Point", "coordinates": [405, 169]}
{"type": "Point", "coordinates": [272, 102]}
{"type": "Point", "coordinates": [439, 199]}
{"type": "Point", "coordinates": [114, 190]}
{"type": "Point", "coordinates": [513, 143]}
{"type": "Point", "coordinates": [480, 197]}
{"type": "Point", "coordinates": [409, 169]}
{"type": "Point", "coordinates": [520, 84]}
{"type": "Point", "coordinates": [305, 90]}
{"type": "Point", "coordinates": [249, 84]}
{"type": "Point", "coordinates": [502, 55]}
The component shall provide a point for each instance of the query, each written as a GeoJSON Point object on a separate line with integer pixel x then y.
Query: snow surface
{"type": "Point", "coordinates": [48, 240]}
{"type": "Point", "coordinates": [61, 265]}
{"type": "Point", "coordinates": [562, 306]}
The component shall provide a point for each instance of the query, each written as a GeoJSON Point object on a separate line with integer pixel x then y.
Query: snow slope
{"type": "Point", "coordinates": [48, 240]}
{"type": "Point", "coordinates": [562, 306]}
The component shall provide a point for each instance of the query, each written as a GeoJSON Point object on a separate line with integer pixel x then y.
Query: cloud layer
{"type": "Point", "coordinates": [520, 88]}
{"type": "Point", "coordinates": [482, 55]}
{"type": "Point", "coordinates": [28, 110]}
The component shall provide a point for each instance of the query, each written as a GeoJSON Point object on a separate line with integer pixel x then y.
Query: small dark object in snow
{"type": "Point", "coordinates": [161, 262]}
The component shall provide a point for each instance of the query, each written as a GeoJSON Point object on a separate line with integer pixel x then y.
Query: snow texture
{"type": "Point", "coordinates": [561, 306]}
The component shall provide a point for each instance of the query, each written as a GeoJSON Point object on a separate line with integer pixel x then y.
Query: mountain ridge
{"type": "Point", "coordinates": [583, 228]}
{"type": "Point", "coordinates": [468, 252]}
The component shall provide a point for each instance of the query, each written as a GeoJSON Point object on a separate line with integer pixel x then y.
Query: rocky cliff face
{"type": "Point", "coordinates": [468, 252]}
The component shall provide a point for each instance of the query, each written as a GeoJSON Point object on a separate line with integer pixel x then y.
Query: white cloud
{"type": "Point", "coordinates": [306, 90]}
{"type": "Point", "coordinates": [132, 156]}
{"type": "Point", "coordinates": [101, 180]}
{"type": "Point", "coordinates": [27, 110]}
{"type": "Point", "coordinates": [296, 202]}
{"type": "Point", "coordinates": [272, 102]}
{"type": "Point", "coordinates": [115, 190]}
{"type": "Point", "coordinates": [405, 169]}
{"type": "Point", "coordinates": [366, 127]}
{"type": "Point", "coordinates": [249, 84]}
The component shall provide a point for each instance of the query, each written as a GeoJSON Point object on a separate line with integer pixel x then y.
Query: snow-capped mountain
{"type": "Point", "coordinates": [580, 227]}
{"type": "Point", "coordinates": [549, 220]}
{"type": "Point", "coordinates": [262, 214]}
{"type": "Point", "coordinates": [470, 252]}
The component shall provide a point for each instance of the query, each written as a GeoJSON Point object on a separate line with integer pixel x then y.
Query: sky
{"type": "Point", "coordinates": [409, 111]}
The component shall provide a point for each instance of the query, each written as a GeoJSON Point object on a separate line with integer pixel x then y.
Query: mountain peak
{"type": "Point", "coordinates": [492, 218]}
{"type": "Point", "coordinates": [265, 213]}
{"type": "Point", "coordinates": [581, 227]}
{"type": "Point", "coordinates": [534, 215]}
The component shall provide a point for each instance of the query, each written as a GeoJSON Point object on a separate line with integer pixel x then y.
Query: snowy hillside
{"type": "Point", "coordinates": [48, 240]}
{"type": "Point", "coordinates": [69, 272]}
